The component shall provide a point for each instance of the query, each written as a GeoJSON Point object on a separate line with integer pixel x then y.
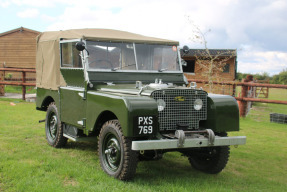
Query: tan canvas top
{"type": "Point", "coordinates": [102, 34]}
{"type": "Point", "coordinates": [48, 56]}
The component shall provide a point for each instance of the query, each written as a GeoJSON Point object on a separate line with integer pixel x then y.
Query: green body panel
{"type": "Point", "coordinates": [44, 94]}
{"type": "Point", "coordinates": [222, 114]}
{"type": "Point", "coordinates": [73, 77]}
{"type": "Point", "coordinates": [73, 105]}
{"type": "Point", "coordinates": [125, 108]}
{"type": "Point", "coordinates": [135, 76]}
{"type": "Point", "coordinates": [222, 110]}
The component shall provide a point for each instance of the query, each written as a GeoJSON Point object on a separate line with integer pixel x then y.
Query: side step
{"type": "Point", "coordinates": [81, 139]}
{"type": "Point", "coordinates": [75, 134]}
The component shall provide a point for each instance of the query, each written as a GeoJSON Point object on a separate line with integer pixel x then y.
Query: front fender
{"type": "Point", "coordinates": [124, 107]}
{"type": "Point", "coordinates": [222, 113]}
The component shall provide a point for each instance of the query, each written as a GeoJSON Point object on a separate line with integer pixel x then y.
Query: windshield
{"type": "Point", "coordinates": [131, 56]}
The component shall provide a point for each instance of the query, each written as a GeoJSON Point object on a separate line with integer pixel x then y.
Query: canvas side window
{"type": "Point", "coordinates": [70, 56]}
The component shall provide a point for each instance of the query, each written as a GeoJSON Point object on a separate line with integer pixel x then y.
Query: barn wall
{"type": "Point", "coordinates": [219, 89]}
{"type": "Point", "coordinates": [18, 49]}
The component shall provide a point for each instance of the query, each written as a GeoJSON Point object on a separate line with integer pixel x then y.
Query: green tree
{"type": "Point", "coordinates": [280, 78]}
{"type": "Point", "coordinates": [283, 77]}
{"type": "Point", "coordinates": [240, 76]}
{"type": "Point", "coordinates": [263, 76]}
{"type": "Point", "coordinates": [275, 79]}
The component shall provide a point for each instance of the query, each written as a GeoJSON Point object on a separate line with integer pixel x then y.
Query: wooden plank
{"type": "Point", "coordinates": [17, 83]}
{"type": "Point", "coordinates": [241, 84]}
{"type": "Point", "coordinates": [18, 70]}
{"type": "Point", "coordinates": [18, 49]}
{"type": "Point", "coordinates": [261, 100]}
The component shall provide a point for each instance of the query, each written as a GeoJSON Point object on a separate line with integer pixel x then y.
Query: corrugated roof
{"type": "Point", "coordinates": [18, 29]}
{"type": "Point", "coordinates": [213, 52]}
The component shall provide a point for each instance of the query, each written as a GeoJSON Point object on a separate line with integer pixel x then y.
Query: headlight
{"type": "Point", "coordinates": [198, 104]}
{"type": "Point", "coordinates": [160, 104]}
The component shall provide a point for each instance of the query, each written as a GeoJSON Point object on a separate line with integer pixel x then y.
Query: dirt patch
{"type": "Point", "coordinates": [70, 182]}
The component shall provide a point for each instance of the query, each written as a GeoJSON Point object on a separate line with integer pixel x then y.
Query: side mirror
{"type": "Point", "coordinates": [80, 46]}
{"type": "Point", "coordinates": [185, 49]}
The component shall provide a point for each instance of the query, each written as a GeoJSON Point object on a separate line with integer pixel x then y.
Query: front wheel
{"type": "Point", "coordinates": [116, 156]}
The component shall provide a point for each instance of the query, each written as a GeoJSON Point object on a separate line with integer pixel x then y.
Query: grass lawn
{"type": "Point", "coordinates": [18, 89]}
{"type": "Point", "coordinates": [28, 163]}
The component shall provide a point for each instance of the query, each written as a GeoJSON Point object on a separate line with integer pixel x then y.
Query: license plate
{"type": "Point", "coordinates": [145, 125]}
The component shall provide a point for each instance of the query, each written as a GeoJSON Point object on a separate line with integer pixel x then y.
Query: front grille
{"type": "Point", "coordinates": [180, 112]}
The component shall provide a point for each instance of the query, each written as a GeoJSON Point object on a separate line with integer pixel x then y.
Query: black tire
{"type": "Point", "coordinates": [116, 157]}
{"type": "Point", "coordinates": [210, 160]}
{"type": "Point", "coordinates": [54, 128]}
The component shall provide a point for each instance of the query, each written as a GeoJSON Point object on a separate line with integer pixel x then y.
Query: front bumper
{"type": "Point", "coordinates": [188, 143]}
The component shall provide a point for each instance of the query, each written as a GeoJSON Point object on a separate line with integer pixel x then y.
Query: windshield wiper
{"type": "Point", "coordinates": [161, 70]}
{"type": "Point", "coordinates": [116, 68]}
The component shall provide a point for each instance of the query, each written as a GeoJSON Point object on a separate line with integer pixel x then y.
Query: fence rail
{"type": "Point", "coordinates": [19, 79]}
{"type": "Point", "coordinates": [23, 83]}
{"type": "Point", "coordinates": [243, 99]}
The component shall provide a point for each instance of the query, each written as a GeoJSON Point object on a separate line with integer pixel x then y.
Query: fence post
{"type": "Point", "coordinates": [2, 90]}
{"type": "Point", "coordinates": [2, 77]}
{"type": "Point", "coordinates": [243, 104]}
{"type": "Point", "coordinates": [233, 90]}
{"type": "Point", "coordinates": [23, 86]}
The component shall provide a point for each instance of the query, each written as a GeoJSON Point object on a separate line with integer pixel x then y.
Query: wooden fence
{"type": "Point", "coordinates": [23, 82]}
{"type": "Point", "coordinates": [245, 86]}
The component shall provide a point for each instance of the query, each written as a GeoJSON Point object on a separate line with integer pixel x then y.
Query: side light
{"type": "Point", "coordinates": [160, 104]}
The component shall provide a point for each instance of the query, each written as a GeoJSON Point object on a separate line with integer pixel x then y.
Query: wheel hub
{"type": "Point", "coordinates": [53, 126]}
{"type": "Point", "coordinates": [112, 153]}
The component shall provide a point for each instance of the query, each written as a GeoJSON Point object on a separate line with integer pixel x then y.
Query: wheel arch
{"type": "Point", "coordinates": [102, 119]}
{"type": "Point", "coordinates": [46, 102]}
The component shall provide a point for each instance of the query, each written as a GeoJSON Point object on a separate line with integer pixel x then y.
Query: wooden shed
{"type": "Point", "coordinates": [18, 50]}
{"type": "Point", "coordinates": [197, 58]}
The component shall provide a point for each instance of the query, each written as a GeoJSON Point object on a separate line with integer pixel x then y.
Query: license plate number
{"type": "Point", "coordinates": [145, 125]}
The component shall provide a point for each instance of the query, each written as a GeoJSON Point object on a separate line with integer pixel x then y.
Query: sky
{"type": "Point", "coordinates": [256, 28]}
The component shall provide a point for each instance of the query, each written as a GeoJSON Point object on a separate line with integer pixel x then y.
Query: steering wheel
{"type": "Point", "coordinates": [105, 61]}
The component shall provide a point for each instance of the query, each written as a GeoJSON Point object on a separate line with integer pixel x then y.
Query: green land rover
{"type": "Point", "coordinates": [128, 92]}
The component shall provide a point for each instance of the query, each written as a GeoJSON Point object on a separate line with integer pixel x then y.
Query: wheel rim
{"type": "Point", "coordinates": [52, 126]}
{"type": "Point", "coordinates": [111, 152]}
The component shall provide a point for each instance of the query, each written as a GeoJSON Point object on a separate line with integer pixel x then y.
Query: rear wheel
{"type": "Point", "coordinates": [54, 128]}
{"type": "Point", "coordinates": [116, 156]}
{"type": "Point", "coordinates": [211, 159]}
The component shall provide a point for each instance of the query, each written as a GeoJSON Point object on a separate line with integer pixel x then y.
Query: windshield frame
{"type": "Point", "coordinates": [178, 60]}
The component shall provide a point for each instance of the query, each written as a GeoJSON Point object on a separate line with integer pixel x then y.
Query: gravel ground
{"type": "Point", "coordinates": [29, 97]}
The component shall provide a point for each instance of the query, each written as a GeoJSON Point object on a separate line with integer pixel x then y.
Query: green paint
{"type": "Point", "coordinates": [222, 110]}
{"type": "Point", "coordinates": [73, 106]}
{"type": "Point", "coordinates": [128, 77]}
{"type": "Point", "coordinates": [222, 114]}
{"type": "Point", "coordinates": [44, 96]}
{"type": "Point", "coordinates": [74, 77]}
{"type": "Point", "coordinates": [125, 108]}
